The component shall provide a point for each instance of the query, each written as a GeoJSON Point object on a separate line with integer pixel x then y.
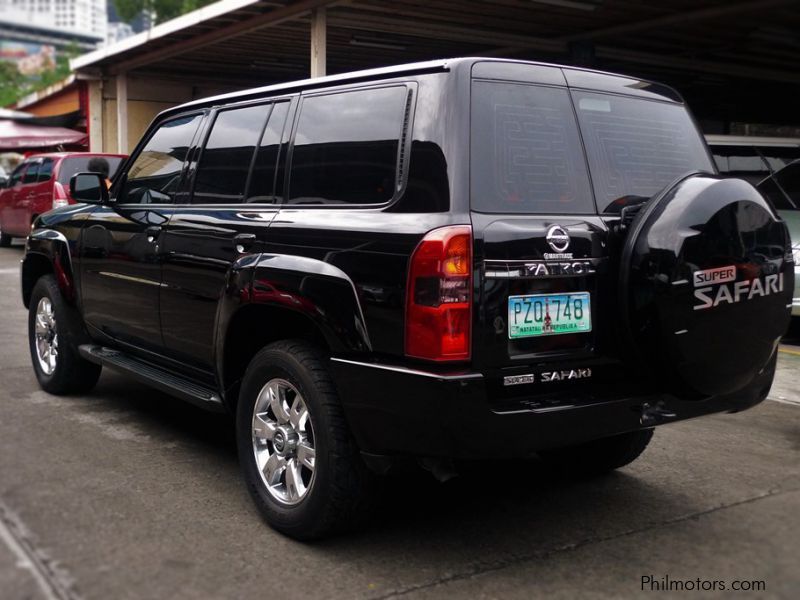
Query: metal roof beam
{"type": "Point", "coordinates": [678, 18]}
{"type": "Point", "coordinates": [736, 70]}
{"type": "Point", "coordinates": [272, 18]}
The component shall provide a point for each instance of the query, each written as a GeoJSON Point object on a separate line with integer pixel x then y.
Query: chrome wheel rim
{"type": "Point", "coordinates": [283, 442]}
{"type": "Point", "coordinates": [46, 336]}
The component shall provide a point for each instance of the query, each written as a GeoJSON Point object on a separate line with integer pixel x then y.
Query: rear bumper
{"type": "Point", "coordinates": [394, 410]}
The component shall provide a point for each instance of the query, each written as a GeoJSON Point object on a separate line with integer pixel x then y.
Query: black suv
{"type": "Point", "coordinates": [458, 259]}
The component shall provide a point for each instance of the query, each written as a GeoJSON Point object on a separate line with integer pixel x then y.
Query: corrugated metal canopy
{"type": "Point", "coordinates": [732, 59]}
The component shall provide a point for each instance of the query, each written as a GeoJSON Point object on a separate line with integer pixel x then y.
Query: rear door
{"type": "Point", "coordinates": [533, 212]}
{"type": "Point", "coordinates": [232, 204]}
{"type": "Point", "coordinates": [551, 168]}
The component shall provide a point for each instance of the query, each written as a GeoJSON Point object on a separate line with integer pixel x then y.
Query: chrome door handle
{"type": "Point", "coordinates": [244, 241]}
{"type": "Point", "coordinates": [152, 233]}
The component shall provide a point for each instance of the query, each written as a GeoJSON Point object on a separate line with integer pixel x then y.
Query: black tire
{"type": "Point", "coordinates": [599, 456]}
{"type": "Point", "coordinates": [72, 374]}
{"type": "Point", "coordinates": [341, 492]}
{"type": "Point", "coordinates": [5, 240]}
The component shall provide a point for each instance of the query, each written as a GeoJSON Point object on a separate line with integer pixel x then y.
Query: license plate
{"type": "Point", "coordinates": [548, 314]}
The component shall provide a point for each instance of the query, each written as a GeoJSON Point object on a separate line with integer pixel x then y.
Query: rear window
{"type": "Point", "coordinates": [526, 152]}
{"type": "Point", "coordinates": [635, 146]}
{"type": "Point", "coordinates": [527, 155]}
{"type": "Point", "coordinates": [106, 165]}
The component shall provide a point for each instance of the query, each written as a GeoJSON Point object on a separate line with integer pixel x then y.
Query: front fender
{"type": "Point", "coordinates": [47, 251]}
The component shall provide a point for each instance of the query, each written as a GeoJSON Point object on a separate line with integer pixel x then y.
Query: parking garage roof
{"type": "Point", "coordinates": [732, 59]}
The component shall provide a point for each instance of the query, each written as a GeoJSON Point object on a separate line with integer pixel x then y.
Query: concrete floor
{"type": "Point", "coordinates": [127, 493]}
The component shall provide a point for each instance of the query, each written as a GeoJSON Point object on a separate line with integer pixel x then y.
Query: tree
{"type": "Point", "coordinates": [163, 10]}
{"type": "Point", "coordinates": [12, 83]}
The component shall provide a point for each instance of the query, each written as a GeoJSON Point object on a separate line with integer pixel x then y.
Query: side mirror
{"type": "Point", "coordinates": [88, 187]}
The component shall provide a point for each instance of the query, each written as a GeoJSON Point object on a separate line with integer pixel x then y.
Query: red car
{"type": "Point", "coordinates": [41, 183]}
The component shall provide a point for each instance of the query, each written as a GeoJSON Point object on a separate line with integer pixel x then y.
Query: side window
{"type": "Point", "coordinates": [346, 146]}
{"type": "Point", "coordinates": [774, 194]}
{"type": "Point", "coordinates": [16, 176]}
{"type": "Point", "coordinates": [31, 174]}
{"type": "Point", "coordinates": [789, 179]}
{"type": "Point", "coordinates": [46, 170]}
{"type": "Point", "coordinates": [155, 175]}
{"type": "Point", "coordinates": [265, 181]}
{"type": "Point", "coordinates": [225, 161]}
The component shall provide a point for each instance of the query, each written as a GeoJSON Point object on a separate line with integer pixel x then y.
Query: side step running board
{"type": "Point", "coordinates": [161, 379]}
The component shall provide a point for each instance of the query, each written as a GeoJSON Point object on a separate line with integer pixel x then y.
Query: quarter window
{"type": "Point", "coordinates": [225, 162]}
{"type": "Point", "coordinates": [346, 147]}
{"type": "Point", "coordinates": [155, 175]}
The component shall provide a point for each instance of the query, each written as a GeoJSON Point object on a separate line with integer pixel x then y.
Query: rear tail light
{"type": "Point", "coordinates": [60, 197]}
{"type": "Point", "coordinates": [439, 296]}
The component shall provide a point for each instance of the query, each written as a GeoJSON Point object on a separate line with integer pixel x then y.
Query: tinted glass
{"type": "Point", "coordinates": [32, 173]}
{"type": "Point", "coordinates": [789, 179]}
{"type": "Point", "coordinates": [46, 169]}
{"type": "Point", "coordinates": [774, 194]}
{"type": "Point", "coordinates": [740, 161]}
{"type": "Point", "coordinates": [526, 153]}
{"type": "Point", "coordinates": [345, 148]}
{"type": "Point", "coordinates": [154, 176]}
{"type": "Point", "coordinates": [636, 147]}
{"type": "Point", "coordinates": [16, 176]}
{"type": "Point", "coordinates": [778, 157]}
{"type": "Point", "coordinates": [105, 165]}
{"type": "Point", "coordinates": [263, 181]}
{"type": "Point", "coordinates": [225, 162]}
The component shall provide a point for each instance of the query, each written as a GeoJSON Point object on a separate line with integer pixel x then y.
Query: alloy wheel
{"type": "Point", "coordinates": [46, 336]}
{"type": "Point", "coordinates": [283, 442]}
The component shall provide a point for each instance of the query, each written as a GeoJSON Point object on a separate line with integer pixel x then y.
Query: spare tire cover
{"type": "Point", "coordinates": [706, 281]}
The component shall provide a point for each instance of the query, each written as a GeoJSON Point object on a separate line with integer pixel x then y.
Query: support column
{"type": "Point", "coordinates": [94, 115]}
{"type": "Point", "coordinates": [122, 113]}
{"type": "Point", "coordinates": [319, 42]}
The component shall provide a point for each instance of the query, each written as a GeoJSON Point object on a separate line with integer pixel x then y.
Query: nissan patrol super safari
{"type": "Point", "coordinates": [460, 259]}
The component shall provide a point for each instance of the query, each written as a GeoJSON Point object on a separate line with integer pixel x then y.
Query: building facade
{"type": "Point", "coordinates": [84, 18]}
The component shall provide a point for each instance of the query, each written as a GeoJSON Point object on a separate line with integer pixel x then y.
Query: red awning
{"type": "Point", "coordinates": [19, 137]}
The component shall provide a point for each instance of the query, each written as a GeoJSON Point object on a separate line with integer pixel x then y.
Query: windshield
{"type": "Point", "coordinates": [106, 165]}
{"type": "Point", "coordinates": [527, 156]}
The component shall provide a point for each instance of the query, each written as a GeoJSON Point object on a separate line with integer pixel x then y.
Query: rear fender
{"type": "Point", "coordinates": [318, 291]}
{"type": "Point", "coordinates": [48, 251]}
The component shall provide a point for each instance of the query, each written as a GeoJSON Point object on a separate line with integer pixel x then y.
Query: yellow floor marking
{"type": "Point", "coordinates": [785, 351]}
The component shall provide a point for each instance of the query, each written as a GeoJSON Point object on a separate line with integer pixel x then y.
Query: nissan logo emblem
{"type": "Point", "coordinates": [558, 238]}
